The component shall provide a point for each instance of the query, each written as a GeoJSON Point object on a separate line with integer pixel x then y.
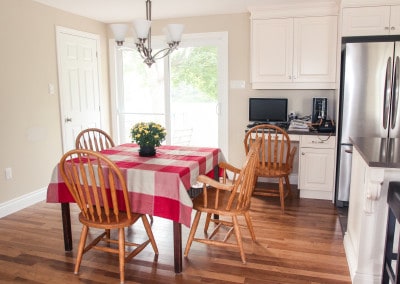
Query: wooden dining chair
{"type": "Point", "coordinates": [93, 139]}
{"type": "Point", "coordinates": [98, 187]}
{"type": "Point", "coordinates": [226, 199]}
{"type": "Point", "coordinates": [276, 159]}
{"type": "Point", "coordinates": [96, 139]}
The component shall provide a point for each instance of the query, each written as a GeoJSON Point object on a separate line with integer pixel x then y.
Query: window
{"type": "Point", "coordinates": [186, 92]}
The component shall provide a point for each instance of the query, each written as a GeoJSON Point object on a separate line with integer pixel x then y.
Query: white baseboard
{"type": "Point", "coordinates": [19, 203]}
{"type": "Point", "coordinates": [316, 194]}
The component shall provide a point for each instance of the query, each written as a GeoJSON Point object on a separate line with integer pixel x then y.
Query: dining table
{"type": "Point", "coordinates": [161, 185]}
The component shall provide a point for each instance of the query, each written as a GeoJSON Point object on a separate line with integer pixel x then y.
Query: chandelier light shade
{"type": "Point", "coordinates": [143, 32]}
{"type": "Point", "coordinates": [119, 31]}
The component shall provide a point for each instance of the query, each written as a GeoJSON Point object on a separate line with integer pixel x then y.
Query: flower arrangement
{"type": "Point", "coordinates": [148, 134]}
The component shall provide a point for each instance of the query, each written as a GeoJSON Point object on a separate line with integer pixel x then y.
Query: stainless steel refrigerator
{"type": "Point", "coordinates": [369, 101]}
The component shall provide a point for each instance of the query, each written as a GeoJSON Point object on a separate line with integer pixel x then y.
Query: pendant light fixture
{"type": "Point", "coordinates": [143, 33]}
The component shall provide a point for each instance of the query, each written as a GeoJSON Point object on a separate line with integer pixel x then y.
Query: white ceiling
{"type": "Point", "coordinates": [112, 11]}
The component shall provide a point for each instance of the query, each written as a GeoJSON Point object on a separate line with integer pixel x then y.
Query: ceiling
{"type": "Point", "coordinates": [112, 11]}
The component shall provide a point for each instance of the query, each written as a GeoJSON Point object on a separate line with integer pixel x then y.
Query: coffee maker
{"type": "Point", "coordinates": [319, 109]}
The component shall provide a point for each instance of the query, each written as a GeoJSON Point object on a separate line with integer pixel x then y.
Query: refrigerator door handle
{"type": "Point", "coordinates": [395, 95]}
{"type": "Point", "coordinates": [387, 93]}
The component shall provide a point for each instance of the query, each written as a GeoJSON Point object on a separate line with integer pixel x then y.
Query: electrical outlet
{"type": "Point", "coordinates": [51, 89]}
{"type": "Point", "coordinates": [237, 84]}
{"type": "Point", "coordinates": [8, 173]}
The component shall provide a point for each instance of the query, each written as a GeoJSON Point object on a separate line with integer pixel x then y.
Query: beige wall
{"type": "Point", "coordinates": [29, 116]}
{"type": "Point", "coordinates": [238, 28]}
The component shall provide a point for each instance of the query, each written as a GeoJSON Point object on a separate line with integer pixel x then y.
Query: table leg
{"type": "Point", "coordinates": [66, 219]}
{"type": "Point", "coordinates": [177, 247]}
{"type": "Point", "coordinates": [216, 177]}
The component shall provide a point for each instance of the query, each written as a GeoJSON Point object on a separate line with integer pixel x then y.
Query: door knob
{"type": "Point", "coordinates": [68, 119]}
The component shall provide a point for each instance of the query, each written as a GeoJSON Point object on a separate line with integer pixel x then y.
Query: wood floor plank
{"type": "Point", "coordinates": [305, 245]}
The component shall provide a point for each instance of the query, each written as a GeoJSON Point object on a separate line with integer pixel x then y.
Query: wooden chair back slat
{"type": "Point", "coordinates": [94, 181]}
{"type": "Point", "coordinates": [94, 139]}
{"type": "Point", "coordinates": [275, 147]}
{"type": "Point", "coordinates": [243, 185]}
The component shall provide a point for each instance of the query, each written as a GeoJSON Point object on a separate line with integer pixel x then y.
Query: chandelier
{"type": "Point", "coordinates": [143, 33]}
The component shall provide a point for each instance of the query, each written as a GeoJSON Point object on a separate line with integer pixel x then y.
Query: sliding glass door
{"type": "Point", "coordinates": [186, 92]}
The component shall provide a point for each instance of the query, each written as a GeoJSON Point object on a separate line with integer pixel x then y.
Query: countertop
{"type": "Point", "coordinates": [304, 132]}
{"type": "Point", "coordinates": [311, 133]}
{"type": "Point", "coordinates": [378, 152]}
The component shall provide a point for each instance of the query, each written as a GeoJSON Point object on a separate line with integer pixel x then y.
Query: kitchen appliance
{"type": "Point", "coordinates": [319, 110]}
{"type": "Point", "coordinates": [369, 100]}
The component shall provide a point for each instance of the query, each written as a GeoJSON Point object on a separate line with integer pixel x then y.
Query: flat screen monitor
{"type": "Point", "coordinates": [268, 110]}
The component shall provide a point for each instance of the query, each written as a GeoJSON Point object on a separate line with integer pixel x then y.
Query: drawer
{"type": "Point", "coordinates": [316, 141]}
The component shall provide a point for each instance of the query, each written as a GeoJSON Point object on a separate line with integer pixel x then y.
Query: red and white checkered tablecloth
{"type": "Point", "coordinates": [157, 185]}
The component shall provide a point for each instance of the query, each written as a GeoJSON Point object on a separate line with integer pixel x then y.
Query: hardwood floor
{"type": "Point", "coordinates": [302, 246]}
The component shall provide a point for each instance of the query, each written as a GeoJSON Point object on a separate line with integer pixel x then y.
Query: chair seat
{"type": "Point", "coordinates": [113, 223]}
{"type": "Point", "coordinates": [279, 171]}
{"type": "Point", "coordinates": [198, 203]}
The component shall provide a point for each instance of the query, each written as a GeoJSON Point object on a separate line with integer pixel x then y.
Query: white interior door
{"type": "Point", "coordinates": [78, 68]}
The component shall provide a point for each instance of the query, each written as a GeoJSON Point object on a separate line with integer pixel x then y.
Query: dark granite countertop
{"type": "Point", "coordinates": [305, 132]}
{"type": "Point", "coordinates": [378, 152]}
{"type": "Point", "coordinates": [310, 133]}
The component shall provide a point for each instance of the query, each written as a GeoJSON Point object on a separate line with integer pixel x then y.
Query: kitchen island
{"type": "Point", "coordinates": [375, 162]}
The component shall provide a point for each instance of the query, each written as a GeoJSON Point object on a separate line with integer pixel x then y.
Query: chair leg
{"type": "Point", "coordinates": [254, 183]}
{"type": "Point", "coordinates": [81, 247]}
{"type": "Point", "coordinates": [282, 195]}
{"type": "Point", "coordinates": [121, 250]}
{"type": "Point", "coordinates": [288, 186]}
{"type": "Point", "coordinates": [250, 225]}
{"type": "Point", "coordinates": [238, 238]}
{"type": "Point", "coordinates": [207, 223]}
{"type": "Point", "coordinates": [149, 233]}
{"type": "Point", "coordinates": [192, 233]}
{"type": "Point", "coordinates": [151, 219]}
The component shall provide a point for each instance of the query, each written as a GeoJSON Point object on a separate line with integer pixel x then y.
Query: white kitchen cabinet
{"type": "Point", "coordinates": [365, 21]}
{"type": "Point", "coordinates": [317, 167]}
{"type": "Point", "coordinates": [294, 53]}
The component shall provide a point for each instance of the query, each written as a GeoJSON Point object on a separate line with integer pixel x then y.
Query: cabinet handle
{"type": "Point", "coordinates": [393, 28]}
{"type": "Point", "coordinates": [386, 28]}
{"type": "Point", "coordinates": [294, 77]}
{"type": "Point", "coordinates": [289, 77]}
{"type": "Point", "coordinates": [302, 153]}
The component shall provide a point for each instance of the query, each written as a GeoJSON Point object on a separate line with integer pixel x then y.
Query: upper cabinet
{"type": "Point", "coordinates": [294, 52]}
{"type": "Point", "coordinates": [365, 21]}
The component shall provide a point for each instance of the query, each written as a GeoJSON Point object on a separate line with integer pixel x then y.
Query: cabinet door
{"type": "Point", "coordinates": [366, 21]}
{"type": "Point", "coordinates": [316, 169]}
{"type": "Point", "coordinates": [315, 41]}
{"type": "Point", "coordinates": [395, 20]}
{"type": "Point", "coordinates": [272, 50]}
